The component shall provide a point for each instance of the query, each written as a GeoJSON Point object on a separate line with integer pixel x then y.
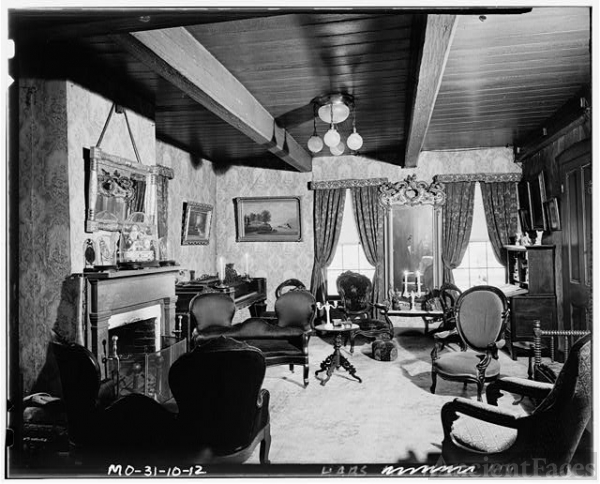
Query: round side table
{"type": "Point", "coordinates": [336, 359]}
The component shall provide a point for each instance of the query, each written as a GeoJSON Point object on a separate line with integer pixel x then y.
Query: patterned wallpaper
{"type": "Point", "coordinates": [87, 113]}
{"type": "Point", "coordinates": [194, 181]}
{"type": "Point", "coordinates": [277, 261]}
{"type": "Point", "coordinates": [44, 245]}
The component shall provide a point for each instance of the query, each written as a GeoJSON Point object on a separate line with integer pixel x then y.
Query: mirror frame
{"type": "Point", "coordinates": [413, 193]}
{"type": "Point", "coordinates": [100, 160]}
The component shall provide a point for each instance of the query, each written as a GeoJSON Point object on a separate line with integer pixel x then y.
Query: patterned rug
{"type": "Point", "coordinates": [390, 417]}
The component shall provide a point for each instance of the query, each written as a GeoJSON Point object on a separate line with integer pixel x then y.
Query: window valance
{"type": "Point", "coordinates": [480, 177]}
{"type": "Point", "coordinates": [329, 184]}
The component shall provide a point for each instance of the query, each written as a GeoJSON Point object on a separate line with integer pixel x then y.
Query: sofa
{"type": "Point", "coordinates": [282, 340]}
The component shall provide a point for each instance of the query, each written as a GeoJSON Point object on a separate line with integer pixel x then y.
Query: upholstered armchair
{"type": "Point", "coordinates": [356, 294]}
{"type": "Point", "coordinates": [100, 426]}
{"type": "Point", "coordinates": [223, 411]}
{"type": "Point", "coordinates": [283, 339]}
{"type": "Point", "coordinates": [481, 314]}
{"type": "Point", "coordinates": [475, 431]}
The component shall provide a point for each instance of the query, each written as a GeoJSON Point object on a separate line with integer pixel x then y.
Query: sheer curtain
{"type": "Point", "coordinates": [501, 212]}
{"type": "Point", "coordinates": [328, 212]}
{"type": "Point", "coordinates": [457, 220]}
{"type": "Point", "coordinates": [369, 216]}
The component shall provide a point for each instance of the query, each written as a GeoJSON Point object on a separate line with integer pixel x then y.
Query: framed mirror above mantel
{"type": "Point", "coordinates": [413, 235]}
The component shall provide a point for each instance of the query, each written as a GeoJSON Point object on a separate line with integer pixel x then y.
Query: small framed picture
{"type": "Point", "coordinates": [552, 213]}
{"type": "Point", "coordinates": [196, 223]}
{"type": "Point", "coordinates": [268, 219]}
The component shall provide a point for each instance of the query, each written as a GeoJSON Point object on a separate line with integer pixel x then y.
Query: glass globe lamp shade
{"type": "Point", "coordinates": [354, 141]}
{"type": "Point", "coordinates": [338, 150]}
{"type": "Point", "coordinates": [315, 144]}
{"type": "Point", "coordinates": [332, 137]}
{"type": "Point", "coordinates": [338, 111]}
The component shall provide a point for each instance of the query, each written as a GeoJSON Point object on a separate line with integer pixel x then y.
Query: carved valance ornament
{"type": "Point", "coordinates": [328, 184]}
{"type": "Point", "coordinates": [481, 177]}
{"type": "Point", "coordinates": [412, 192]}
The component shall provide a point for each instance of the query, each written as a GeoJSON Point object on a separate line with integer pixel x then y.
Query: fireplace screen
{"type": "Point", "coordinates": [148, 372]}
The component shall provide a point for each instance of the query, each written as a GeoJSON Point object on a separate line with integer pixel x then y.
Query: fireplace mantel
{"type": "Point", "coordinates": [117, 292]}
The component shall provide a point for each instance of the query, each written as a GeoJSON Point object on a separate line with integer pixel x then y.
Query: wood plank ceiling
{"type": "Point", "coordinates": [503, 77]}
{"type": "Point", "coordinates": [506, 74]}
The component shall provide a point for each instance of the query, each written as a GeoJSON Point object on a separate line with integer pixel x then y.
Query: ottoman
{"type": "Point", "coordinates": [384, 350]}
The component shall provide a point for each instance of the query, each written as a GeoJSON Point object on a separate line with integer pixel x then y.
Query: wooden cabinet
{"type": "Point", "coordinates": [530, 269]}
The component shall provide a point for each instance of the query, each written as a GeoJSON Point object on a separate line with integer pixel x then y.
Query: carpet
{"type": "Point", "coordinates": [390, 417]}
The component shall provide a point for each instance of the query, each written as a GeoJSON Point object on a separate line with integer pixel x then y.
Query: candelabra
{"type": "Point", "coordinates": [327, 306]}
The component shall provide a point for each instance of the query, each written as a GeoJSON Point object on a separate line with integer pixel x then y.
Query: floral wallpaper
{"type": "Point", "coordinates": [44, 245]}
{"type": "Point", "coordinates": [194, 181]}
{"type": "Point", "coordinates": [87, 113]}
{"type": "Point", "coordinates": [277, 261]}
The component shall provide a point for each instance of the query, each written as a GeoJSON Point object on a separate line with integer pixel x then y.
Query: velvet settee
{"type": "Point", "coordinates": [283, 339]}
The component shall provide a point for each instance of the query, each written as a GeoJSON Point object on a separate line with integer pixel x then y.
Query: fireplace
{"type": "Point", "coordinates": [119, 299]}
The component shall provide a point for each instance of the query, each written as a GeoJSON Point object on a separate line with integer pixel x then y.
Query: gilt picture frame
{"type": "Point", "coordinates": [268, 219]}
{"type": "Point", "coordinates": [197, 218]}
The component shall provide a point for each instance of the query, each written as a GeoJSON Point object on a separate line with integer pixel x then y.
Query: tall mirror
{"type": "Point", "coordinates": [413, 236]}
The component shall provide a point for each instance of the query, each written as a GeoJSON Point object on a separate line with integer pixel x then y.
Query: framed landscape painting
{"type": "Point", "coordinates": [268, 219]}
{"type": "Point", "coordinates": [196, 223]}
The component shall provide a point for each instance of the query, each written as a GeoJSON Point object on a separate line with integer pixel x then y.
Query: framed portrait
{"type": "Point", "coordinates": [552, 213]}
{"type": "Point", "coordinates": [196, 223]}
{"type": "Point", "coordinates": [268, 219]}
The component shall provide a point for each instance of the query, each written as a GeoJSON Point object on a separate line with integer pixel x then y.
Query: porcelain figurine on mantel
{"type": "Point", "coordinates": [538, 239]}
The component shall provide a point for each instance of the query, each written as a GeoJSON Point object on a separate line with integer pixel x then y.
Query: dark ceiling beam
{"type": "Point", "coordinates": [439, 31]}
{"type": "Point", "coordinates": [179, 58]}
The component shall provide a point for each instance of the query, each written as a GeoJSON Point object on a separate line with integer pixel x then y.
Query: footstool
{"type": "Point", "coordinates": [384, 349]}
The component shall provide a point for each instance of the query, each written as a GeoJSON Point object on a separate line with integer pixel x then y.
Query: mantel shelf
{"type": "Point", "coordinates": [116, 274]}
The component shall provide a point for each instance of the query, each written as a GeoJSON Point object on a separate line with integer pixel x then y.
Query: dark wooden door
{"type": "Point", "coordinates": [576, 215]}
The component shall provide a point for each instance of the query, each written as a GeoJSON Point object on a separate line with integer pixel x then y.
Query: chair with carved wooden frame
{"type": "Point", "coordinates": [481, 315]}
{"type": "Point", "coordinates": [356, 294]}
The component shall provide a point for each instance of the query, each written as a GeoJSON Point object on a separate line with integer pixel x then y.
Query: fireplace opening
{"type": "Point", "coordinates": [136, 337]}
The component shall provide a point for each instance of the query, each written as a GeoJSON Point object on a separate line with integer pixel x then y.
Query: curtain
{"type": "Point", "coordinates": [369, 216]}
{"type": "Point", "coordinates": [501, 212]}
{"type": "Point", "coordinates": [457, 220]}
{"type": "Point", "coordinates": [328, 213]}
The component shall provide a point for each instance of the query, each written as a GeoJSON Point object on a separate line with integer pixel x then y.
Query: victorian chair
{"type": "Point", "coordinates": [475, 432]}
{"type": "Point", "coordinates": [223, 412]}
{"type": "Point", "coordinates": [481, 314]}
{"type": "Point", "coordinates": [100, 426]}
{"type": "Point", "coordinates": [211, 315]}
{"type": "Point", "coordinates": [285, 286]}
{"type": "Point", "coordinates": [356, 294]}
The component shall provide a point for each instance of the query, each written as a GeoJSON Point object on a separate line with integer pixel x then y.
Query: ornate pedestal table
{"type": "Point", "coordinates": [336, 359]}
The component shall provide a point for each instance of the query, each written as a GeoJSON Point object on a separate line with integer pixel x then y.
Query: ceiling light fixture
{"type": "Point", "coordinates": [333, 109]}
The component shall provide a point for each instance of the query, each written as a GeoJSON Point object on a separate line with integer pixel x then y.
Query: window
{"type": "Point", "coordinates": [479, 265]}
{"type": "Point", "coordinates": [349, 254]}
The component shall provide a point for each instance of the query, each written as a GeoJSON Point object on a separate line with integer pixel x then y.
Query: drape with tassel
{"type": "Point", "coordinates": [369, 216]}
{"type": "Point", "coordinates": [457, 220]}
{"type": "Point", "coordinates": [328, 213]}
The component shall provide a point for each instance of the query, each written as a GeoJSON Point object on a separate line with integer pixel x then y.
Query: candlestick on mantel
{"type": "Point", "coordinates": [221, 269]}
{"type": "Point", "coordinates": [247, 263]}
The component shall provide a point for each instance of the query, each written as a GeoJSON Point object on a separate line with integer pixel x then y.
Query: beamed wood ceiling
{"type": "Point", "coordinates": [235, 87]}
